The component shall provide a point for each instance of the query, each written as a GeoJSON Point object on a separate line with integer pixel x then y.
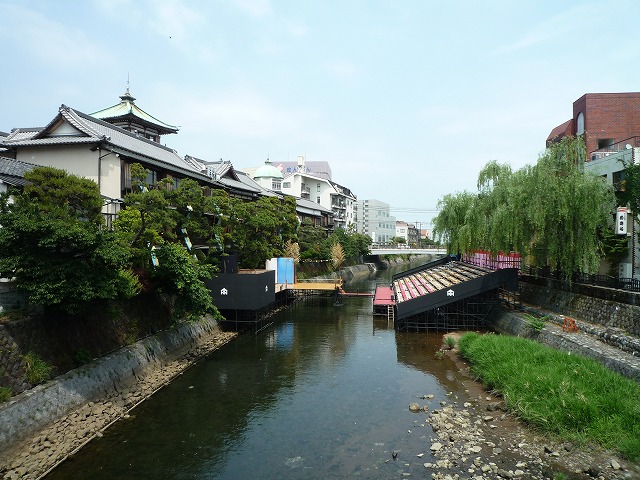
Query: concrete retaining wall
{"type": "Point", "coordinates": [34, 409]}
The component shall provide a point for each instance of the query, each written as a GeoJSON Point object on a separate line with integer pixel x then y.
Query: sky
{"type": "Point", "coordinates": [406, 99]}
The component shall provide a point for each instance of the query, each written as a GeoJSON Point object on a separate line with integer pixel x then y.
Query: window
{"type": "Point", "coordinates": [605, 142]}
{"type": "Point", "coordinates": [152, 178]}
{"type": "Point", "coordinates": [317, 199]}
{"type": "Point", "coordinates": [286, 185]}
{"type": "Point", "coordinates": [318, 188]}
{"type": "Point", "coordinates": [276, 184]}
{"type": "Point", "coordinates": [580, 124]}
{"type": "Point", "coordinates": [618, 180]}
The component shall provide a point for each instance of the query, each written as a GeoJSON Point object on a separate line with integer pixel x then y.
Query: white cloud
{"type": "Point", "coordinates": [567, 27]}
{"type": "Point", "coordinates": [241, 113]}
{"type": "Point", "coordinates": [173, 19]}
{"type": "Point", "coordinates": [256, 8]}
{"type": "Point", "coordinates": [48, 41]}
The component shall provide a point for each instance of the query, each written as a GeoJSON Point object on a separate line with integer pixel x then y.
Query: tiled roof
{"type": "Point", "coordinates": [253, 185]}
{"type": "Point", "coordinates": [12, 171]}
{"type": "Point", "coordinates": [127, 107]}
{"type": "Point", "coordinates": [94, 131]}
{"type": "Point", "coordinates": [220, 168]}
{"type": "Point", "coordinates": [561, 131]}
{"type": "Point", "coordinates": [311, 206]}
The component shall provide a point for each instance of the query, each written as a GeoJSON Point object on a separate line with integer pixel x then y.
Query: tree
{"type": "Point", "coordinates": [552, 211]}
{"type": "Point", "coordinates": [258, 230]}
{"type": "Point", "coordinates": [311, 239]}
{"type": "Point", "coordinates": [181, 276]}
{"type": "Point", "coordinates": [353, 244]}
{"type": "Point", "coordinates": [292, 250]}
{"type": "Point", "coordinates": [337, 255]}
{"type": "Point", "coordinates": [397, 240]}
{"type": "Point", "coordinates": [54, 247]}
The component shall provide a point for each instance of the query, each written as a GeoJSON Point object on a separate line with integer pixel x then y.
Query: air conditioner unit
{"type": "Point", "coordinates": [598, 155]}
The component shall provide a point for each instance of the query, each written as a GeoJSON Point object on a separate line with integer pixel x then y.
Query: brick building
{"type": "Point", "coordinates": [605, 119]}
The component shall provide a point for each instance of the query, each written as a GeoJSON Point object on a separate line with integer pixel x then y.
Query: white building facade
{"type": "Point", "coordinates": [374, 219]}
{"type": "Point", "coordinates": [610, 165]}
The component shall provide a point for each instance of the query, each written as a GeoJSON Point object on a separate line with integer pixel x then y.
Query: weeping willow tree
{"type": "Point", "coordinates": [551, 211]}
{"type": "Point", "coordinates": [449, 226]}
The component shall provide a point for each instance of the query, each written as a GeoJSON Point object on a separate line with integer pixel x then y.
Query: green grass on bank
{"type": "Point", "coordinates": [559, 392]}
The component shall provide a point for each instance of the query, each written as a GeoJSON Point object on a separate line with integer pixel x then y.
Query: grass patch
{"type": "Point", "coordinates": [5, 394]}
{"type": "Point", "coordinates": [451, 342]}
{"type": "Point", "coordinates": [535, 323]}
{"type": "Point", "coordinates": [565, 394]}
{"type": "Point", "coordinates": [36, 370]}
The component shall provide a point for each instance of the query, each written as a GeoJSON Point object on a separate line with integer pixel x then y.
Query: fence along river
{"type": "Point", "coordinates": [323, 393]}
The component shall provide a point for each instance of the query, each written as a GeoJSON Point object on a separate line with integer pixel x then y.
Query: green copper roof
{"type": "Point", "coordinates": [267, 170]}
{"type": "Point", "coordinates": [128, 108]}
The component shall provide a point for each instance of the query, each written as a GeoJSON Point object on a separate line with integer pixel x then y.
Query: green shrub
{"type": "Point", "coordinates": [5, 394]}
{"type": "Point", "coordinates": [451, 342]}
{"type": "Point", "coordinates": [82, 356]}
{"type": "Point", "coordinates": [535, 323]}
{"type": "Point", "coordinates": [36, 370]}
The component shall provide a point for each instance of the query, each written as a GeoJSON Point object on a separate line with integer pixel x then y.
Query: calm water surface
{"type": "Point", "coordinates": [323, 393]}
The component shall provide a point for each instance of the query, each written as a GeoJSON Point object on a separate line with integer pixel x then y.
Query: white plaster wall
{"type": "Point", "coordinates": [79, 160]}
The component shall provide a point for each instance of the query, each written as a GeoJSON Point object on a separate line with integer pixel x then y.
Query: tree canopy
{"type": "Point", "coordinates": [53, 245]}
{"type": "Point", "coordinates": [551, 211]}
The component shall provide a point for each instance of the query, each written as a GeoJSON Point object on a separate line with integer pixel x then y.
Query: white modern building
{"type": "Point", "coordinates": [340, 200]}
{"type": "Point", "coordinates": [609, 163]}
{"type": "Point", "coordinates": [375, 220]}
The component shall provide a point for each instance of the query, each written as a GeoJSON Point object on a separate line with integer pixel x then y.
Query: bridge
{"type": "Point", "coordinates": [407, 251]}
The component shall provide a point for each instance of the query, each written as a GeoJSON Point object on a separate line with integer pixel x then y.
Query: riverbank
{"type": "Point", "coordinates": [483, 426]}
{"type": "Point", "coordinates": [479, 438]}
{"type": "Point", "coordinates": [58, 418]}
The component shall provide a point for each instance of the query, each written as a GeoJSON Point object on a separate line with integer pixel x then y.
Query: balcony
{"type": "Point", "coordinates": [633, 142]}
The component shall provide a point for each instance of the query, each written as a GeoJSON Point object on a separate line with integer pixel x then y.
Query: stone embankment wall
{"type": "Point", "coordinates": [34, 409]}
{"type": "Point", "coordinates": [611, 308]}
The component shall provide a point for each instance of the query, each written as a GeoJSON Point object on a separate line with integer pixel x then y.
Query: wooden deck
{"type": "Point", "coordinates": [325, 286]}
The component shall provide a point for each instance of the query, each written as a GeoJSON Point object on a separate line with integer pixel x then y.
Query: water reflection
{"type": "Point", "coordinates": [322, 394]}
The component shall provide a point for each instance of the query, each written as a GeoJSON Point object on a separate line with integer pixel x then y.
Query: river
{"type": "Point", "coordinates": [322, 393]}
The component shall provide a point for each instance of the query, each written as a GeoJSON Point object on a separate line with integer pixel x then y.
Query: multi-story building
{"type": "Point", "coordinates": [375, 220]}
{"type": "Point", "coordinates": [408, 231]}
{"type": "Point", "coordinates": [340, 200]}
{"type": "Point", "coordinates": [103, 150]}
{"type": "Point", "coordinates": [610, 126]}
{"type": "Point", "coordinates": [604, 119]}
{"type": "Point", "coordinates": [611, 167]}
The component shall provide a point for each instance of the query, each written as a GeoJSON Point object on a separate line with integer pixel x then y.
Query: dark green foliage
{"type": "Point", "coordinates": [54, 247]}
{"type": "Point", "coordinates": [561, 393]}
{"type": "Point", "coordinates": [354, 245]}
{"type": "Point", "coordinates": [614, 248]}
{"type": "Point", "coordinates": [258, 230]}
{"type": "Point", "coordinates": [311, 239]}
{"type": "Point", "coordinates": [630, 193]}
{"type": "Point", "coordinates": [178, 274]}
